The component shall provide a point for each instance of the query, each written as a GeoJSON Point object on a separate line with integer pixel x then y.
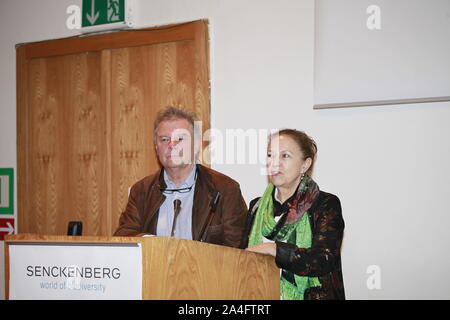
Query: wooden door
{"type": "Point", "coordinates": [85, 109]}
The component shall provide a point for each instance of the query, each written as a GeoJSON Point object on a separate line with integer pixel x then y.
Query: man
{"type": "Point", "coordinates": [184, 199]}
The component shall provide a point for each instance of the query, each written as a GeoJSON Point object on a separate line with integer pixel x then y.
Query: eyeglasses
{"type": "Point", "coordinates": [181, 190]}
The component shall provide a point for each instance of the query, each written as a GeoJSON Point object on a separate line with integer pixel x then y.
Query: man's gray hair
{"type": "Point", "coordinates": [173, 113]}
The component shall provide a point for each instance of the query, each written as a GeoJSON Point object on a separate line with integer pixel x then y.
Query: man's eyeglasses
{"type": "Point", "coordinates": [180, 190]}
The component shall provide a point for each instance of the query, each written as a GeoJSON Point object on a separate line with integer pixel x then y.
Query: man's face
{"type": "Point", "coordinates": [174, 143]}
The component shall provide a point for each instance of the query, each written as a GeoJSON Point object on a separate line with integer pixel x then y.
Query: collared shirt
{"type": "Point", "coordinates": [183, 227]}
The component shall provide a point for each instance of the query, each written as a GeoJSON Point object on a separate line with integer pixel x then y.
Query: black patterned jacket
{"type": "Point", "coordinates": [323, 259]}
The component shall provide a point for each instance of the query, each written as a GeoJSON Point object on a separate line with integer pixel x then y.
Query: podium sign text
{"type": "Point", "coordinates": [50, 270]}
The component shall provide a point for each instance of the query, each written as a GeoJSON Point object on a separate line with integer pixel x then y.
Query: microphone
{"type": "Point", "coordinates": [214, 200]}
{"type": "Point", "coordinates": [212, 206]}
{"type": "Point", "coordinates": [176, 212]}
{"type": "Point", "coordinates": [75, 228]}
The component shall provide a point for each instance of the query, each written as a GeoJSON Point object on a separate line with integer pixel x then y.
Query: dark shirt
{"type": "Point", "coordinates": [280, 208]}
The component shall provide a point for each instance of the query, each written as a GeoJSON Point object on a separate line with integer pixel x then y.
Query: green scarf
{"type": "Point", "coordinates": [296, 229]}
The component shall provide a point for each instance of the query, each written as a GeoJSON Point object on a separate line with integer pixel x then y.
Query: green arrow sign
{"type": "Point", "coordinates": [98, 12]}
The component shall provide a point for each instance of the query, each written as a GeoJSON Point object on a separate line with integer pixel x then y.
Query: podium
{"type": "Point", "coordinates": [172, 269]}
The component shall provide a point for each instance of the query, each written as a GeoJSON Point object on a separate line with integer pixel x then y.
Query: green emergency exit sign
{"type": "Point", "coordinates": [102, 12]}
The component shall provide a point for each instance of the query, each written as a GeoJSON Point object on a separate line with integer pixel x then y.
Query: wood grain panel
{"type": "Point", "coordinates": [23, 127]}
{"type": "Point", "coordinates": [131, 122]}
{"type": "Point", "coordinates": [45, 165]}
{"type": "Point", "coordinates": [144, 80]}
{"type": "Point", "coordinates": [202, 84]}
{"type": "Point", "coordinates": [85, 136]}
{"type": "Point", "coordinates": [84, 121]}
{"type": "Point", "coordinates": [67, 126]}
{"type": "Point", "coordinates": [198, 271]}
{"type": "Point", "coordinates": [121, 39]}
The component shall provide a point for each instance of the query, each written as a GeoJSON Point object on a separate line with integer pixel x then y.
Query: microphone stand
{"type": "Point", "coordinates": [176, 212]}
{"type": "Point", "coordinates": [212, 205]}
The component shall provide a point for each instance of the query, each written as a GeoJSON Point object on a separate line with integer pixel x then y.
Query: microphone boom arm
{"type": "Point", "coordinates": [212, 205]}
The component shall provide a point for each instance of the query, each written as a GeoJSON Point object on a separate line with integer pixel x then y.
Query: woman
{"type": "Point", "coordinates": [301, 226]}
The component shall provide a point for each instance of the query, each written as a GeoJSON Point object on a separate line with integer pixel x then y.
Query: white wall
{"type": "Point", "coordinates": [412, 44]}
{"type": "Point", "coordinates": [388, 165]}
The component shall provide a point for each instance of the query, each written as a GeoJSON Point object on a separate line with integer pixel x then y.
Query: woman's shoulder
{"type": "Point", "coordinates": [329, 198]}
{"type": "Point", "coordinates": [253, 203]}
{"type": "Point", "coordinates": [327, 203]}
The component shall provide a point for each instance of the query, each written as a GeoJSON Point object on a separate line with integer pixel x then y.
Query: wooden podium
{"type": "Point", "coordinates": [177, 269]}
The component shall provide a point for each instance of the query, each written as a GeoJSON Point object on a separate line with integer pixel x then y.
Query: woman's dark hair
{"type": "Point", "coordinates": [306, 143]}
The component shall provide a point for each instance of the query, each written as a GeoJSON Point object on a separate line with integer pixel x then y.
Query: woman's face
{"type": "Point", "coordinates": [285, 163]}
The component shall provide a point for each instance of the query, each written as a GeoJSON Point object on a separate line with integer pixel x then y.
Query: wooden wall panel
{"type": "Point", "coordinates": [85, 119]}
{"type": "Point", "coordinates": [44, 190]}
{"type": "Point", "coordinates": [131, 120]}
{"type": "Point", "coordinates": [144, 80]}
{"type": "Point", "coordinates": [67, 126]}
